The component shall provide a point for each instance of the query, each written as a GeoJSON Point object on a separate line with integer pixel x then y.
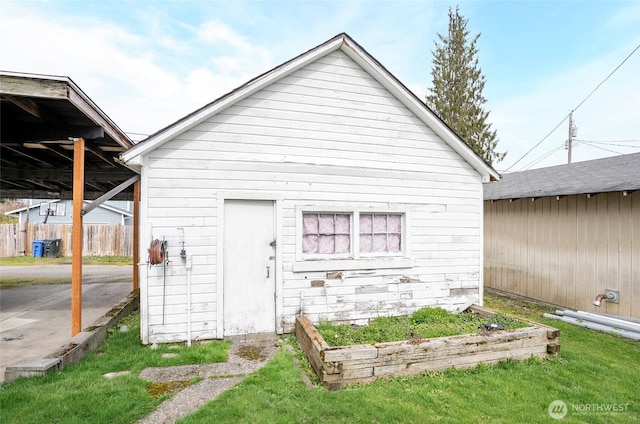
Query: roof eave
{"type": "Point", "coordinates": [75, 96]}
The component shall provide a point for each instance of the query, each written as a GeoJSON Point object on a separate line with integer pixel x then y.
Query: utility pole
{"type": "Point", "coordinates": [573, 131]}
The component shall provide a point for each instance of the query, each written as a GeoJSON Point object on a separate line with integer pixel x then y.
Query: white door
{"type": "Point", "coordinates": [249, 267]}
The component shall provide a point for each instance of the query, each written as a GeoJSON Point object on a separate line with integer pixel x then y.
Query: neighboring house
{"type": "Point", "coordinates": [323, 187]}
{"type": "Point", "coordinates": [59, 212]}
{"type": "Point", "coordinates": [565, 234]}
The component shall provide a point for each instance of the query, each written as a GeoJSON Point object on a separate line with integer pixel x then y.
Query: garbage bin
{"type": "Point", "coordinates": [52, 248]}
{"type": "Point", "coordinates": [38, 248]}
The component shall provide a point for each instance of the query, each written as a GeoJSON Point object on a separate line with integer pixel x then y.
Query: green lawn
{"type": "Point", "coordinates": [64, 260]}
{"type": "Point", "coordinates": [594, 370]}
{"type": "Point", "coordinates": [7, 282]}
{"type": "Point", "coordinates": [80, 393]}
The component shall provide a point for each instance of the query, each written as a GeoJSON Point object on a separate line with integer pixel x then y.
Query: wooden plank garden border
{"type": "Point", "coordinates": [339, 366]}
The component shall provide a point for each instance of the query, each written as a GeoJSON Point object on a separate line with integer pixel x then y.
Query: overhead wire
{"type": "Point", "coordinates": [575, 108]}
{"type": "Point", "coordinates": [577, 143]}
{"type": "Point", "coordinates": [612, 143]}
{"type": "Point", "coordinates": [602, 148]}
{"type": "Point", "coordinates": [543, 157]}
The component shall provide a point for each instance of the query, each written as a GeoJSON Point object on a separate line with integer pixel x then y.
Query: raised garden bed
{"type": "Point", "coordinates": [339, 366]}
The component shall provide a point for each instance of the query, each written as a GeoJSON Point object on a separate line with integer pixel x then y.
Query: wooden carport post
{"type": "Point", "coordinates": [76, 236]}
{"type": "Point", "coordinates": [136, 233]}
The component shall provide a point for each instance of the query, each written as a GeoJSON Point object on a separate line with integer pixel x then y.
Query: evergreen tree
{"type": "Point", "coordinates": [456, 96]}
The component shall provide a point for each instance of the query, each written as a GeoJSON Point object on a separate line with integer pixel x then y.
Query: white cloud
{"type": "Point", "coordinates": [149, 68]}
{"type": "Point", "coordinates": [127, 74]}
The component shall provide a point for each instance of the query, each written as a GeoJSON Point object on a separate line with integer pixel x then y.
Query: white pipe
{"type": "Point", "coordinates": [612, 316]}
{"type": "Point", "coordinates": [188, 265]}
{"type": "Point", "coordinates": [594, 326]}
{"type": "Point", "coordinates": [616, 323]}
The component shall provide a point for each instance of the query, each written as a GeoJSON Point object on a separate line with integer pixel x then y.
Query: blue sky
{"type": "Point", "coordinates": [146, 64]}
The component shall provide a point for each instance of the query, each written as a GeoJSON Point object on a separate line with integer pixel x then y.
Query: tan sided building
{"type": "Point", "coordinates": [566, 234]}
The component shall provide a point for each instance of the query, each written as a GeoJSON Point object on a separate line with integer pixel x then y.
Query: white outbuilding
{"type": "Point", "coordinates": [323, 187]}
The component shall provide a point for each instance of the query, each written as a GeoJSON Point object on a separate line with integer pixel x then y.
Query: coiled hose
{"type": "Point", "coordinates": [157, 252]}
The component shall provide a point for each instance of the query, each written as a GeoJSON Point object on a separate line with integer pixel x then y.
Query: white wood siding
{"type": "Point", "coordinates": [327, 135]}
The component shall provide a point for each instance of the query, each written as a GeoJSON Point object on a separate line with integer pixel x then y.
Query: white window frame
{"type": "Point", "coordinates": [383, 254]}
{"type": "Point", "coordinates": [323, 256]}
{"type": "Point", "coordinates": [354, 260]}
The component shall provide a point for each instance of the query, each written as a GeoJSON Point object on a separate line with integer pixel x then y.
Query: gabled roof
{"type": "Point", "coordinates": [37, 205]}
{"type": "Point", "coordinates": [348, 46]}
{"type": "Point", "coordinates": [617, 173]}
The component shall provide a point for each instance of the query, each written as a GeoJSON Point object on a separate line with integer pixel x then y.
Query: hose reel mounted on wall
{"type": "Point", "coordinates": [158, 255]}
{"type": "Point", "coordinates": [157, 252]}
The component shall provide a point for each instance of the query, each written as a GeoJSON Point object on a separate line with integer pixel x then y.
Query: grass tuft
{"type": "Point", "coordinates": [423, 324]}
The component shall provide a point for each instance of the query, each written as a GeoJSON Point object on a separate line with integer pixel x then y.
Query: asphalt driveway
{"type": "Point", "coordinates": [35, 320]}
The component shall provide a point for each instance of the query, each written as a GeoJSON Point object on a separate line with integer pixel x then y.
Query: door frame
{"type": "Point", "coordinates": [277, 199]}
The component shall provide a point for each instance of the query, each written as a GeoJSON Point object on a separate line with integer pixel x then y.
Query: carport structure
{"type": "Point", "coordinates": [56, 143]}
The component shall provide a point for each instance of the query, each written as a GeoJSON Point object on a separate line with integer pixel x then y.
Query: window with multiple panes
{"type": "Point", "coordinates": [326, 233]}
{"type": "Point", "coordinates": [380, 233]}
{"type": "Point", "coordinates": [333, 235]}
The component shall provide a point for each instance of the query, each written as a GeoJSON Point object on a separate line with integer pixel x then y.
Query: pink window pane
{"type": "Point", "coordinates": [343, 244]}
{"type": "Point", "coordinates": [343, 224]}
{"type": "Point", "coordinates": [393, 243]}
{"type": "Point", "coordinates": [379, 223]}
{"type": "Point", "coordinates": [379, 243]}
{"type": "Point", "coordinates": [366, 243]}
{"type": "Point", "coordinates": [326, 245]}
{"type": "Point", "coordinates": [310, 223]}
{"type": "Point", "coordinates": [395, 224]}
{"type": "Point", "coordinates": [326, 224]}
{"type": "Point", "coordinates": [366, 224]}
{"type": "Point", "coordinates": [310, 244]}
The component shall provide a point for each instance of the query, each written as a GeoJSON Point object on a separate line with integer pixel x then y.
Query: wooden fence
{"type": "Point", "coordinates": [98, 240]}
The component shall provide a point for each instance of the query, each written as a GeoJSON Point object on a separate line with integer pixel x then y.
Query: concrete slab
{"type": "Point", "coordinates": [36, 320]}
{"type": "Point", "coordinates": [31, 368]}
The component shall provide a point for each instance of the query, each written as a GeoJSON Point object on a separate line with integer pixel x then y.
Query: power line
{"type": "Point", "coordinates": [602, 148]}
{"type": "Point", "coordinates": [608, 141]}
{"type": "Point", "coordinates": [608, 76]}
{"type": "Point", "coordinates": [543, 157]}
{"type": "Point", "coordinates": [538, 143]}
{"type": "Point", "coordinates": [612, 143]}
{"type": "Point", "coordinates": [576, 108]}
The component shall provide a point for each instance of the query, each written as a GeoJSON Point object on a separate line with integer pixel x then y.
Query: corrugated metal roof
{"type": "Point", "coordinates": [617, 173]}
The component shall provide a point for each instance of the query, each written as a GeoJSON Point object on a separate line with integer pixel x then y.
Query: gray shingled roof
{"type": "Point", "coordinates": [616, 173]}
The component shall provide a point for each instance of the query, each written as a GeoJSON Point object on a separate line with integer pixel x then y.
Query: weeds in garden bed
{"type": "Point", "coordinates": [425, 323]}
